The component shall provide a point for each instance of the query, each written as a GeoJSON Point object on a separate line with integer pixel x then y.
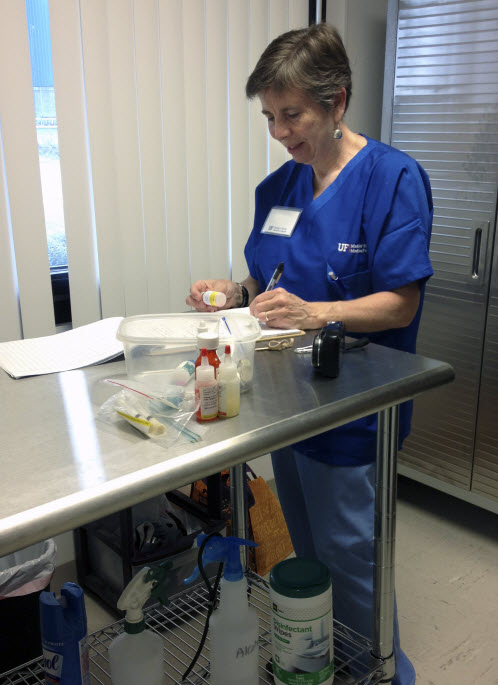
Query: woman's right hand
{"type": "Point", "coordinates": [222, 285]}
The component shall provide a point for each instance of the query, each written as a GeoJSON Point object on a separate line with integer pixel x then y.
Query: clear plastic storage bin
{"type": "Point", "coordinates": [155, 344]}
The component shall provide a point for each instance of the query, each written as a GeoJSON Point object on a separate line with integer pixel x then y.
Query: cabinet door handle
{"type": "Point", "coordinates": [480, 237]}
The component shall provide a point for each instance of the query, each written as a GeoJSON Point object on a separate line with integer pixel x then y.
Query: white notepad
{"type": "Point", "coordinates": [83, 346]}
{"type": "Point", "coordinates": [268, 332]}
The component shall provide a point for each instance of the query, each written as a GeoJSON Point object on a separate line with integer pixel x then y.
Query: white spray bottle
{"type": "Point", "coordinates": [233, 627]}
{"type": "Point", "coordinates": [136, 655]}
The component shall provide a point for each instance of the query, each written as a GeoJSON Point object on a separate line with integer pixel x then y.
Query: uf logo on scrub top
{"type": "Point", "coordinates": [355, 248]}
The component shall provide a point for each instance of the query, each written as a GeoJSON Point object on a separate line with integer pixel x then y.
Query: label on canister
{"type": "Point", "coordinates": [52, 663]}
{"type": "Point", "coordinates": [301, 623]}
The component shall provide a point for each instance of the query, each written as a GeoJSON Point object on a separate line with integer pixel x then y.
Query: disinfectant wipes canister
{"type": "Point", "coordinates": [301, 623]}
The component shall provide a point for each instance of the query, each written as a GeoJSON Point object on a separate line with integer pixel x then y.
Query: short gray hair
{"type": "Point", "coordinates": [312, 60]}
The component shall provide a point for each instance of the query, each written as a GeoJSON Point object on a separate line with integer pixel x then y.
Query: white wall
{"type": "Point", "coordinates": [262, 467]}
{"type": "Point", "coordinates": [362, 25]}
{"type": "Point", "coordinates": [65, 549]}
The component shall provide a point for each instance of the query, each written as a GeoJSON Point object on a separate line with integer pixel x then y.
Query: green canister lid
{"type": "Point", "coordinates": [300, 577]}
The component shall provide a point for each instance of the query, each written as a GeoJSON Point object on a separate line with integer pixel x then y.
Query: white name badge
{"type": "Point", "coordinates": [281, 221]}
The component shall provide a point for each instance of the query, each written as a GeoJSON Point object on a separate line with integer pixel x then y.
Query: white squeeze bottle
{"type": "Point", "coordinates": [136, 655]}
{"type": "Point", "coordinates": [206, 389]}
{"type": "Point", "coordinates": [228, 387]}
{"type": "Point", "coordinates": [233, 627]}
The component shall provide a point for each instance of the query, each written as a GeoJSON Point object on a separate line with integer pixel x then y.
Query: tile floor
{"type": "Point", "coordinates": [447, 587]}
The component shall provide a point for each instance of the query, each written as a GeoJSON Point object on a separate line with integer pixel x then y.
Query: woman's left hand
{"type": "Point", "coordinates": [280, 309]}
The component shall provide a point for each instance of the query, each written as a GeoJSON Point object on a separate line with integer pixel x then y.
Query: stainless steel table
{"type": "Point", "coordinates": [60, 468]}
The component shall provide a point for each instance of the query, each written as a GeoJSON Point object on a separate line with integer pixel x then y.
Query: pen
{"type": "Point", "coordinates": [338, 282]}
{"type": "Point", "coordinates": [224, 319]}
{"type": "Point", "coordinates": [275, 278]}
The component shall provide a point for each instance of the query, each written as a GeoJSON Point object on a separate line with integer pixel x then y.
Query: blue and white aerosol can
{"type": "Point", "coordinates": [234, 626]}
{"type": "Point", "coordinates": [63, 631]}
{"type": "Point", "coordinates": [301, 623]}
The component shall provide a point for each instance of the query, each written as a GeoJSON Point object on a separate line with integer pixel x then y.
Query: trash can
{"type": "Point", "coordinates": [23, 576]}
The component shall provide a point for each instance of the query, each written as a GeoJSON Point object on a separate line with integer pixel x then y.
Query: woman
{"type": "Point", "coordinates": [352, 229]}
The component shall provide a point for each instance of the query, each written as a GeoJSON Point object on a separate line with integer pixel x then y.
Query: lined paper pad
{"type": "Point", "coordinates": [83, 346]}
{"type": "Point", "coordinates": [268, 332]}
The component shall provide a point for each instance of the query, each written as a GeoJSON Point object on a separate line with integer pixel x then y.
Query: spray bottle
{"type": "Point", "coordinates": [234, 628]}
{"type": "Point", "coordinates": [63, 630]}
{"type": "Point", "coordinates": [136, 655]}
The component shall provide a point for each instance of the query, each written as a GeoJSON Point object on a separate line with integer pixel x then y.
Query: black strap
{"type": "Point", "coordinates": [354, 344]}
{"type": "Point", "coordinates": [245, 295]}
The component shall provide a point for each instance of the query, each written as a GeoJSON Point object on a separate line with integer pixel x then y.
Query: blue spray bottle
{"type": "Point", "coordinates": [234, 628]}
{"type": "Point", "coordinates": [63, 630]}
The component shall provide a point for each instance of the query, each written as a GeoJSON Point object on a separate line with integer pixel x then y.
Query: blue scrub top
{"type": "Point", "coordinates": [371, 228]}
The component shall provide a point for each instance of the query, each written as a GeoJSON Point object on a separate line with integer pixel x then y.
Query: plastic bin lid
{"type": "Point", "coordinates": [300, 577]}
{"type": "Point", "coordinates": [154, 329]}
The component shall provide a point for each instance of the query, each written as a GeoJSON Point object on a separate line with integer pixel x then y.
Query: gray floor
{"type": "Point", "coordinates": [447, 587]}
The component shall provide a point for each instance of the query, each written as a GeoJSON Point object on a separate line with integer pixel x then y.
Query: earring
{"type": "Point", "coordinates": [337, 134]}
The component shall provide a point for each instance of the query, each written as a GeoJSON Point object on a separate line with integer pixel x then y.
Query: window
{"type": "Point", "coordinates": [159, 151]}
{"type": "Point", "coordinates": [48, 148]}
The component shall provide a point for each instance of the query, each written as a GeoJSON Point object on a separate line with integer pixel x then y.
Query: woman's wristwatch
{"type": "Point", "coordinates": [245, 295]}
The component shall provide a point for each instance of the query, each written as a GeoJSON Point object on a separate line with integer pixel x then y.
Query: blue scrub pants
{"type": "Point", "coordinates": [329, 511]}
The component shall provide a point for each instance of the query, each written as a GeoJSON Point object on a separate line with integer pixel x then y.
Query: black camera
{"type": "Point", "coordinates": [327, 347]}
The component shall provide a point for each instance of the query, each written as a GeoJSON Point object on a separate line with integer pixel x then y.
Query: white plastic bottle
{"type": "Point", "coordinates": [183, 373]}
{"type": "Point", "coordinates": [202, 327]}
{"type": "Point", "coordinates": [136, 655]}
{"type": "Point", "coordinates": [214, 298]}
{"type": "Point", "coordinates": [234, 636]}
{"type": "Point", "coordinates": [206, 389]}
{"type": "Point", "coordinates": [228, 387]}
{"type": "Point", "coordinates": [234, 627]}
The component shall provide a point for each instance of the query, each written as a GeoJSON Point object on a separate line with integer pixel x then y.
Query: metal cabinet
{"type": "Point", "coordinates": [441, 107]}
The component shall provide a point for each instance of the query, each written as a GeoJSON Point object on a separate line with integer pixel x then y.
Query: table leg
{"type": "Point", "coordinates": [385, 538]}
{"type": "Point", "coordinates": [238, 508]}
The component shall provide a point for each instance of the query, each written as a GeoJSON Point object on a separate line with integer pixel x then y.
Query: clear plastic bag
{"type": "Point", "coordinates": [163, 416]}
{"type": "Point", "coordinates": [28, 570]}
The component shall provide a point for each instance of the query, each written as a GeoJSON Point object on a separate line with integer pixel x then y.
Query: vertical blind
{"type": "Point", "coordinates": [160, 152]}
